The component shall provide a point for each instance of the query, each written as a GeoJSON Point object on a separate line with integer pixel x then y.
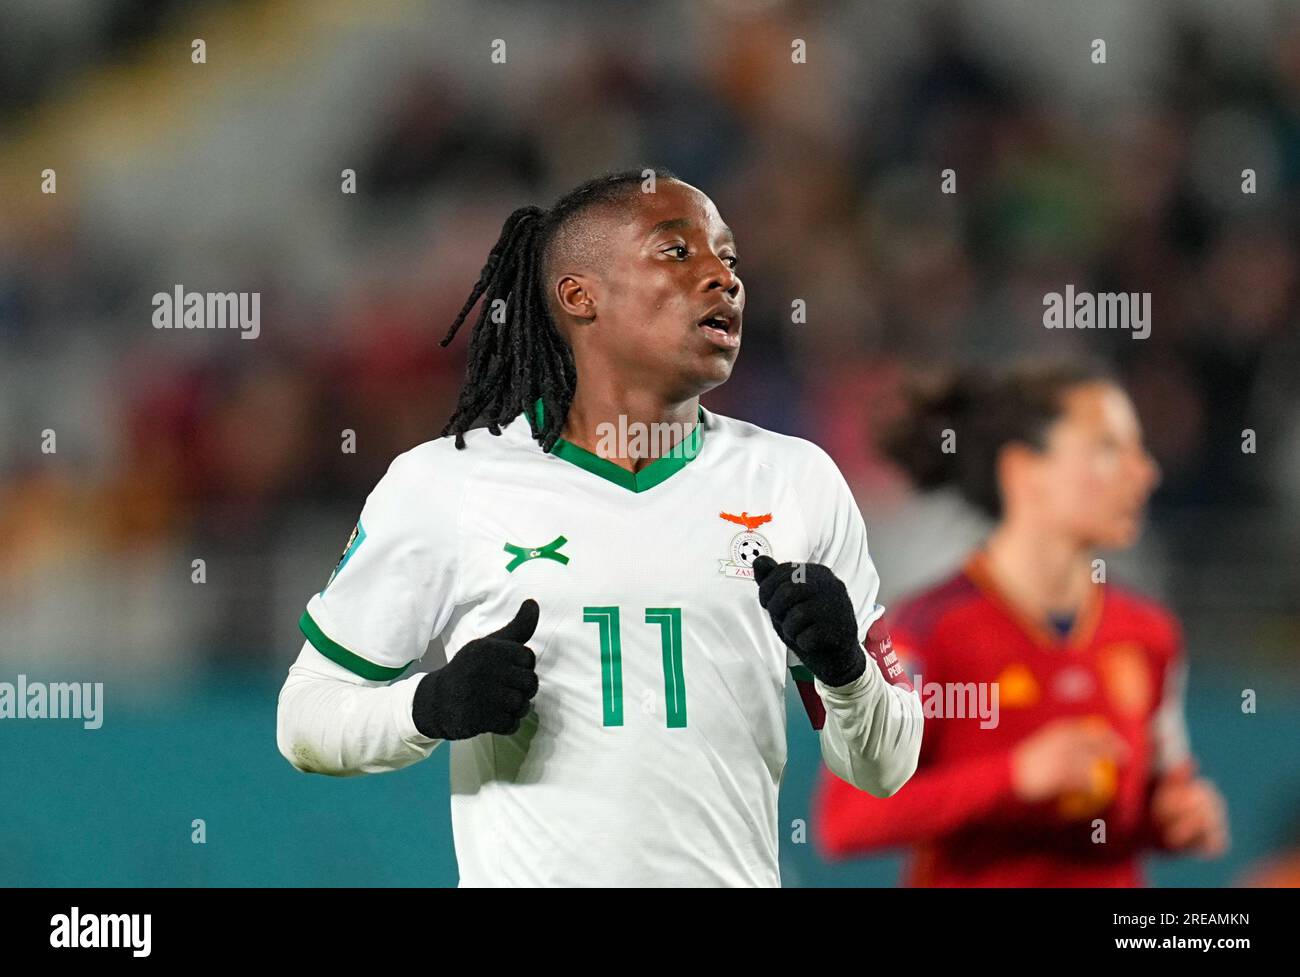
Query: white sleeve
{"type": "Point", "coordinates": [840, 538]}
{"type": "Point", "coordinates": [872, 734]}
{"type": "Point", "coordinates": [391, 592]}
{"type": "Point", "coordinates": [1169, 724]}
{"type": "Point", "coordinates": [394, 586]}
{"type": "Point", "coordinates": [333, 721]}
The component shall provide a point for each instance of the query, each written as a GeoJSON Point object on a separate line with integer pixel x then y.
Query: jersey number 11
{"type": "Point", "coordinates": [669, 620]}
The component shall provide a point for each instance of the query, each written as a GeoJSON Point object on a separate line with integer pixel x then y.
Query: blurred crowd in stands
{"type": "Point", "coordinates": [830, 172]}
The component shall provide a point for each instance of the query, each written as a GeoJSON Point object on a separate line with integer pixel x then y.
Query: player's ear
{"type": "Point", "coordinates": [574, 295]}
{"type": "Point", "coordinates": [1017, 469]}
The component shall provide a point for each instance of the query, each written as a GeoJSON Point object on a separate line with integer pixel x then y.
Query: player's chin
{"type": "Point", "coordinates": [714, 369]}
{"type": "Point", "coordinates": [725, 351]}
{"type": "Point", "coordinates": [710, 361]}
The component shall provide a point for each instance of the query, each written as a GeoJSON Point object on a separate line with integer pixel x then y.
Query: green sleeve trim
{"type": "Point", "coordinates": [336, 653]}
{"type": "Point", "coordinates": [801, 673]}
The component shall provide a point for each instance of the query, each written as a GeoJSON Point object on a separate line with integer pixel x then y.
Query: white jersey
{"type": "Point", "coordinates": [654, 749]}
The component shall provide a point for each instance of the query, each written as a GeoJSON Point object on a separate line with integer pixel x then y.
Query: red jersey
{"type": "Point", "coordinates": [1120, 663]}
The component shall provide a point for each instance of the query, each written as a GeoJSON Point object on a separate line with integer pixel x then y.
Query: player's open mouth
{"type": "Point", "coordinates": [722, 328]}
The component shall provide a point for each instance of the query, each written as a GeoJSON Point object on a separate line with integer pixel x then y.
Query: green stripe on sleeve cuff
{"type": "Point", "coordinates": [336, 653]}
{"type": "Point", "coordinates": [801, 673]}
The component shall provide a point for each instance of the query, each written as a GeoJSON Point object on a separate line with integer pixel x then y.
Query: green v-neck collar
{"type": "Point", "coordinates": [657, 471]}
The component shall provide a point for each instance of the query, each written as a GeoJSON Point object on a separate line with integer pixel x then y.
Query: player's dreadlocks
{"type": "Point", "coordinates": [516, 353]}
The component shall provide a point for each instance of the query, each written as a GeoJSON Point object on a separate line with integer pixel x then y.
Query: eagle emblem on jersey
{"type": "Point", "coordinates": [746, 547]}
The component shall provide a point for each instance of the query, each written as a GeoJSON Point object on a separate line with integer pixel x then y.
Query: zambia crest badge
{"type": "Point", "coordinates": [746, 547]}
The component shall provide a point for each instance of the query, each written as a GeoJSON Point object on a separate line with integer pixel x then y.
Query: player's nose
{"type": "Point", "coordinates": [722, 277]}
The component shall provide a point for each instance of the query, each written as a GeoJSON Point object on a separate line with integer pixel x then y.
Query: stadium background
{"type": "Point", "coordinates": [176, 445]}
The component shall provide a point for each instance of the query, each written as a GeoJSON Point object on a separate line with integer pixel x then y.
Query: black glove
{"type": "Point", "coordinates": [485, 688]}
{"type": "Point", "coordinates": [814, 617]}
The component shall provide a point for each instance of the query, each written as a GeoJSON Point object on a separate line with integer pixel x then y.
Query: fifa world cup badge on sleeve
{"type": "Point", "coordinates": [356, 539]}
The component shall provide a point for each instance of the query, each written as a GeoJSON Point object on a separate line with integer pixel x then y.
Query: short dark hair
{"type": "Point", "coordinates": [986, 409]}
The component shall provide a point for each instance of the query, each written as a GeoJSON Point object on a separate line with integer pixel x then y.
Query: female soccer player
{"type": "Point", "coordinates": [615, 678]}
{"type": "Point", "coordinates": [1085, 762]}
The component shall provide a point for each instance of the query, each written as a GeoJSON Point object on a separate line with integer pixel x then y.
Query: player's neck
{"type": "Point", "coordinates": [1040, 575]}
{"type": "Point", "coordinates": [629, 427]}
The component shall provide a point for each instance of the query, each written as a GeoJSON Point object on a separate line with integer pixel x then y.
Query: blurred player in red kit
{"type": "Point", "coordinates": [1084, 764]}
